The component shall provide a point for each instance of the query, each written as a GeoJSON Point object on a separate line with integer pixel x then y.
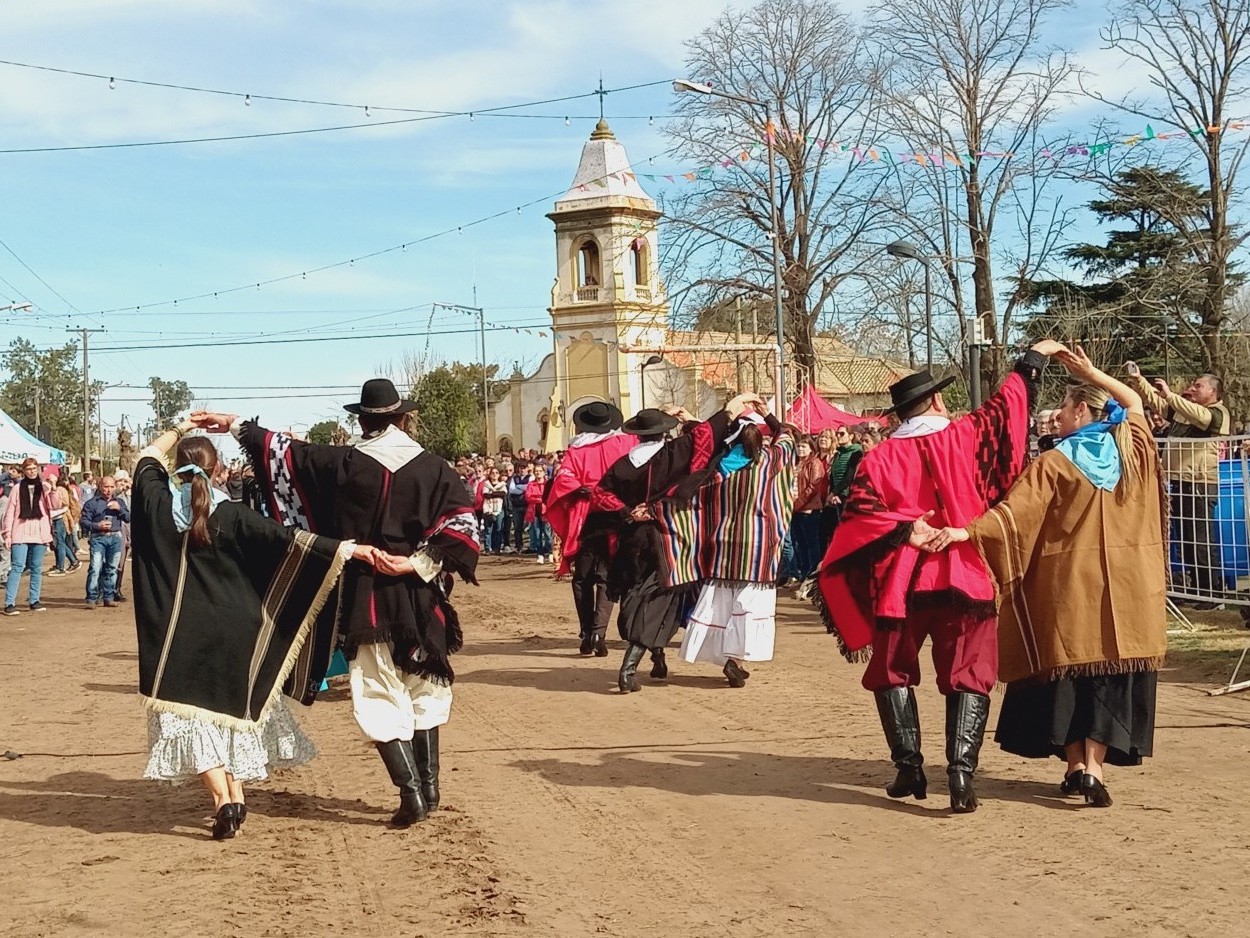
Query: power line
{"type": "Point", "coordinates": [248, 97]}
{"type": "Point", "coordinates": [328, 338]}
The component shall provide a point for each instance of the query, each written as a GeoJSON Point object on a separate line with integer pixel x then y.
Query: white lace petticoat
{"type": "Point", "coordinates": [183, 747]}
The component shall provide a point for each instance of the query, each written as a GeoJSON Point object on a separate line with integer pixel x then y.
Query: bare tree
{"type": "Point", "coordinates": [812, 64]}
{"type": "Point", "coordinates": [1196, 58]}
{"type": "Point", "coordinates": [969, 86]}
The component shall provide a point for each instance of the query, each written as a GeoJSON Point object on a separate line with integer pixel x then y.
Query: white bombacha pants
{"type": "Point", "coordinates": [389, 704]}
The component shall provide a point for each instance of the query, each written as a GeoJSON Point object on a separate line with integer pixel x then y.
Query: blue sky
{"type": "Point", "coordinates": [117, 228]}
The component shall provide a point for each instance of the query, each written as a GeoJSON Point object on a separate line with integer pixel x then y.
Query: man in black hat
{"type": "Point", "coordinates": [399, 628]}
{"type": "Point", "coordinates": [587, 536]}
{"type": "Point", "coordinates": [650, 609]}
{"type": "Point", "coordinates": [882, 590]}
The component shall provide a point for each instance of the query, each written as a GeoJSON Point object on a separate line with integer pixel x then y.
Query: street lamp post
{"type": "Point", "coordinates": [653, 360]}
{"type": "Point", "coordinates": [682, 85]}
{"type": "Point", "coordinates": [908, 251]}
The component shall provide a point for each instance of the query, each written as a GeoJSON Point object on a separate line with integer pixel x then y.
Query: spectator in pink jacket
{"type": "Point", "coordinates": [27, 533]}
{"type": "Point", "coordinates": [535, 515]}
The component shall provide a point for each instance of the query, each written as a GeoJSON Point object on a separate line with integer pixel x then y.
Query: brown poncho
{"type": "Point", "coordinates": [1080, 571]}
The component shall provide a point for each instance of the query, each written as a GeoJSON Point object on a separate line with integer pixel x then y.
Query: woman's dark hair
{"type": "Point", "coordinates": [198, 451]}
{"type": "Point", "coordinates": [752, 441]}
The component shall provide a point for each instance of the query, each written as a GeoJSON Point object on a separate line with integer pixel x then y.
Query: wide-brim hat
{"type": "Point", "coordinates": [915, 388]}
{"type": "Point", "coordinates": [650, 421]}
{"type": "Point", "coordinates": [597, 417]}
{"type": "Point", "coordinates": [378, 397]}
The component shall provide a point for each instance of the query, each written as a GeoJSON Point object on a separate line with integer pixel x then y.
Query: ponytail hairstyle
{"type": "Point", "coordinates": [751, 440]}
{"type": "Point", "coordinates": [1098, 401]}
{"type": "Point", "coordinates": [198, 451]}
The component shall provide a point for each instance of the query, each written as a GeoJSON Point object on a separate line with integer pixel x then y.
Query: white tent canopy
{"type": "Point", "coordinates": [16, 444]}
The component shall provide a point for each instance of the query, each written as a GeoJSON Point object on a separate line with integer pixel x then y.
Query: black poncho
{"type": "Point", "coordinates": [221, 626]}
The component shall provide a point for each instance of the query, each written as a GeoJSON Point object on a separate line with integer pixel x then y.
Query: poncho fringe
{"type": "Point", "coordinates": [156, 705]}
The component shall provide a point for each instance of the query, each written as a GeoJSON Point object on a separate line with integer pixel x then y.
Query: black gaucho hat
{"type": "Point", "coordinates": [915, 388]}
{"type": "Point", "coordinates": [597, 417]}
{"type": "Point", "coordinates": [379, 397]}
{"type": "Point", "coordinates": [649, 421]}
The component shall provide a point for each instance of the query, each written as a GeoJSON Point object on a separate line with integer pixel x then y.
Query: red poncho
{"type": "Point", "coordinates": [870, 574]}
{"type": "Point", "coordinates": [582, 467]}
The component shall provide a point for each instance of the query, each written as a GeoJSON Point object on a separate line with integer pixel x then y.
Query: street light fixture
{"type": "Point", "coordinates": [653, 360]}
{"type": "Point", "coordinates": [905, 250]}
{"type": "Point", "coordinates": [683, 85]}
{"type": "Point", "coordinates": [15, 307]}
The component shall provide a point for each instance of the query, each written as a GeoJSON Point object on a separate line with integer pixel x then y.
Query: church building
{"type": "Point", "coordinates": [610, 323]}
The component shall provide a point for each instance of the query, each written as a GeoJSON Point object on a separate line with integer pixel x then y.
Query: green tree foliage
{"type": "Point", "coordinates": [449, 412]}
{"type": "Point", "coordinates": [55, 378]}
{"type": "Point", "coordinates": [323, 431]}
{"type": "Point", "coordinates": [1143, 290]}
{"type": "Point", "coordinates": [169, 398]}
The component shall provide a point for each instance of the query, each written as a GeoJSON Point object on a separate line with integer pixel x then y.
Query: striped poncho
{"type": "Point", "coordinates": [732, 529]}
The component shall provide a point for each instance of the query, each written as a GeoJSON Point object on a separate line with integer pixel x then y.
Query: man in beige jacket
{"type": "Point", "coordinates": [1191, 464]}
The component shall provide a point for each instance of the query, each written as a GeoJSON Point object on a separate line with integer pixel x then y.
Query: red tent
{"type": "Point", "coordinates": [811, 413]}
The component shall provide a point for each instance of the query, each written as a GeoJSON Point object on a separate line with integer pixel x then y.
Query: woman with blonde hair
{"type": "Point", "coordinates": [1076, 549]}
{"type": "Point", "coordinates": [225, 601]}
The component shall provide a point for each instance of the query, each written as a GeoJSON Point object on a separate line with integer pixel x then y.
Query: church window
{"type": "Point", "coordinates": [639, 262]}
{"type": "Point", "coordinates": [588, 265]}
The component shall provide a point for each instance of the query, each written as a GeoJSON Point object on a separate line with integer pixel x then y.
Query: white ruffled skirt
{"type": "Point", "coordinates": [183, 747]}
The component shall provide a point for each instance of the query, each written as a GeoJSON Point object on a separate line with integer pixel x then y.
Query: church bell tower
{"type": "Point", "coordinates": [607, 296]}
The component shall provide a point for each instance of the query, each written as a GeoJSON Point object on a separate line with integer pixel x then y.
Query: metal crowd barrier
{"type": "Point", "coordinates": [1209, 543]}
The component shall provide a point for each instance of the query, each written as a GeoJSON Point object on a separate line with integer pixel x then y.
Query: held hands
{"type": "Point", "coordinates": [385, 563]}
{"type": "Point", "coordinates": [738, 404]}
{"type": "Point", "coordinates": [1049, 347]}
{"type": "Point", "coordinates": [928, 538]}
{"type": "Point", "coordinates": [213, 422]}
{"type": "Point", "coordinates": [1078, 364]}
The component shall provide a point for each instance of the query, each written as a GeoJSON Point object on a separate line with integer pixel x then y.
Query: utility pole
{"type": "Point", "coordinates": [481, 331]}
{"type": "Point", "coordinates": [738, 340]}
{"type": "Point", "coordinates": [37, 409]}
{"type": "Point", "coordinates": [86, 396]}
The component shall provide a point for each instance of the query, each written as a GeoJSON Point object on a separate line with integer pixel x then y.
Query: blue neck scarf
{"type": "Point", "coordinates": [181, 504]}
{"type": "Point", "coordinates": [1093, 451]}
{"type": "Point", "coordinates": [734, 460]}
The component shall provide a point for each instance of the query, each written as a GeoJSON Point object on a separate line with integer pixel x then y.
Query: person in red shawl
{"type": "Point", "coordinates": [587, 536]}
{"type": "Point", "coordinates": [881, 590]}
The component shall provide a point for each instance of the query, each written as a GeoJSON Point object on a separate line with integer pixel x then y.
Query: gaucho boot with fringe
{"type": "Point", "coordinates": [402, 767]}
{"type": "Point", "coordinates": [901, 722]}
{"type": "Point", "coordinates": [966, 716]}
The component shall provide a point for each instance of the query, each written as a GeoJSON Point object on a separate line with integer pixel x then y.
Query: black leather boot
{"type": "Point", "coordinates": [425, 751]}
{"type": "Point", "coordinates": [659, 667]}
{"type": "Point", "coordinates": [966, 716]}
{"type": "Point", "coordinates": [600, 643]}
{"type": "Point", "coordinates": [627, 680]}
{"type": "Point", "coordinates": [901, 722]}
{"type": "Point", "coordinates": [397, 756]}
{"type": "Point", "coordinates": [587, 646]}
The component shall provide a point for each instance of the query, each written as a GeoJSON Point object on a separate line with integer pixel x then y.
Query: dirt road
{"type": "Point", "coordinates": [689, 809]}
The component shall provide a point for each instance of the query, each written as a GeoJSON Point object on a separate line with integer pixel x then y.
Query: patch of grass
{"type": "Point", "coordinates": [1208, 655]}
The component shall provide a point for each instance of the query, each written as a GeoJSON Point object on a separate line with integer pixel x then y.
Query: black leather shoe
{"type": "Point", "coordinates": [1095, 792]}
{"type": "Point", "coordinates": [1071, 784]}
{"type": "Point", "coordinates": [627, 679]}
{"type": "Point", "coordinates": [587, 646]}
{"type": "Point", "coordinates": [659, 667]}
{"type": "Point", "coordinates": [226, 821]}
{"type": "Point", "coordinates": [241, 808]}
{"type": "Point", "coordinates": [910, 782]}
{"type": "Point", "coordinates": [601, 645]}
{"type": "Point", "coordinates": [735, 675]}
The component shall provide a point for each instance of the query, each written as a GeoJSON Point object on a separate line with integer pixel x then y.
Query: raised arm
{"type": "Point", "coordinates": [1081, 368]}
